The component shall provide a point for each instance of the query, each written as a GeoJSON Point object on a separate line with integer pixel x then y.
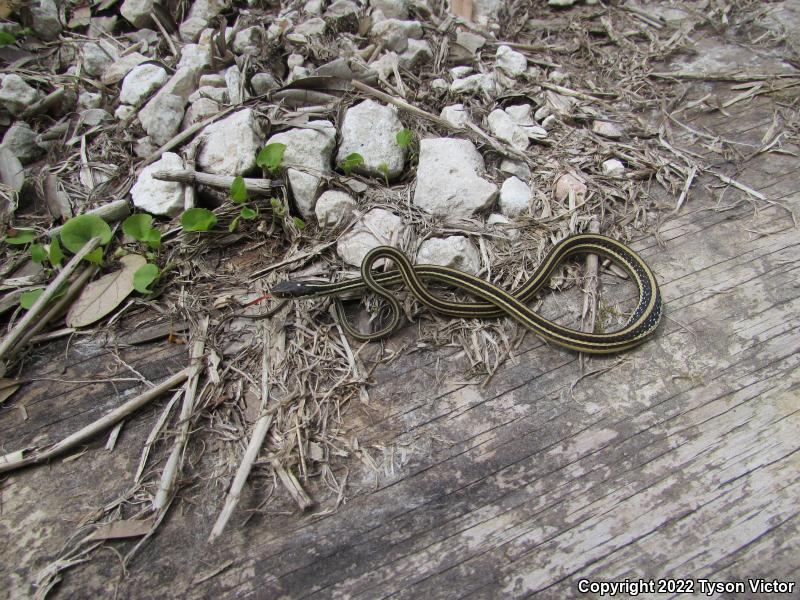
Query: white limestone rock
{"type": "Point", "coordinates": [417, 53]}
{"type": "Point", "coordinates": [510, 61]}
{"type": "Point", "coordinates": [461, 71]}
{"type": "Point", "coordinates": [515, 197]}
{"type": "Point", "coordinates": [607, 129]}
{"type": "Point", "coordinates": [16, 95]}
{"type": "Point", "coordinates": [307, 159]}
{"type": "Point", "coordinates": [161, 117]}
{"type": "Point", "coordinates": [455, 251]}
{"type": "Point", "coordinates": [249, 41]}
{"type": "Point", "coordinates": [521, 114]}
{"type": "Point", "coordinates": [20, 139]}
{"type": "Point", "coordinates": [313, 7]}
{"type": "Point", "coordinates": [561, 3]}
{"type": "Point", "coordinates": [230, 145]}
{"type": "Point", "coordinates": [217, 94]}
{"type": "Point", "coordinates": [96, 56]}
{"type": "Point", "coordinates": [548, 122]}
{"type": "Point", "coordinates": [395, 33]}
{"type": "Point", "coordinates": [45, 20]}
{"type": "Point", "coordinates": [117, 70]}
{"type": "Point", "coordinates": [234, 84]}
{"type": "Point", "coordinates": [263, 83]}
{"type": "Point", "coordinates": [90, 100]}
{"type": "Point", "coordinates": [212, 80]}
{"type": "Point", "coordinates": [199, 111]}
{"type": "Point", "coordinates": [502, 224]}
{"type": "Point", "coordinates": [613, 166]}
{"type": "Point", "coordinates": [313, 27]}
{"type": "Point", "coordinates": [124, 112]}
{"type": "Point", "coordinates": [456, 115]}
{"type": "Point", "coordinates": [200, 15]}
{"type": "Point", "coordinates": [369, 128]}
{"type": "Point", "coordinates": [159, 197]}
{"type": "Point", "coordinates": [354, 245]}
{"type": "Point", "coordinates": [503, 127]}
{"type": "Point", "coordinates": [142, 81]}
{"type": "Point", "coordinates": [137, 12]}
{"type": "Point", "coordinates": [448, 178]}
{"type": "Point", "coordinates": [342, 15]}
{"type": "Point", "coordinates": [195, 56]}
{"type": "Point", "coordinates": [391, 9]}
{"type": "Point", "coordinates": [334, 208]}
{"type": "Point", "coordinates": [474, 84]}
{"type": "Point", "coordinates": [517, 168]}
{"type": "Point", "coordinates": [440, 85]}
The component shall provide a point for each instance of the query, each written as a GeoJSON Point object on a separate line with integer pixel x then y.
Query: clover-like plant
{"type": "Point", "coordinates": [404, 137]}
{"type": "Point", "coordinates": [144, 276]}
{"type": "Point", "coordinates": [351, 161]}
{"type": "Point", "coordinates": [198, 219]}
{"type": "Point", "coordinates": [139, 227]}
{"type": "Point", "coordinates": [270, 157]}
{"type": "Point", "coordinates": [79, 230]}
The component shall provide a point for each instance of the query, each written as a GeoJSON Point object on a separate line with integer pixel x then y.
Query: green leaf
{"type": "Point", "coordinates": [138, 226]}
{"type": "Point", "coordinates": [56, 253]}
{"type": "Point", "coordinates": [248, 213]}
{"type": "Point", "coordinates": [238, 190]}
{"type": "Point", "coordinates": [234, 224]}
{"type": "Point", "coordinates": [144, 276]}
{"type": "Point", "coordinates": [38, 253]}
{"type": "Point", "coordinates": [153, 238]}
{"type": "Point", "coordinates": [6, 38]}
{"type": "Point", "coordinates": [20, 237]}
{"type": "Point", "coordinates": [271, 156]}
{"type": "Point", "coordinates": [198, 219]}
{"type": "Point", "coordinates": [299, 223]}
{"type": "Point", "coordinates": [351, 161]}
{"type": "Point", "coordinates": [28, 299]}
{"type": "Point", "coordinates": [95, 256]}
{"type": "Point", "coordinates": [277, 208]}
{"type": "Point", "coordinates": [404, 137]}
{"type": "Point", "coordinates": [384, 168]}
{"type": "Point", "coordinates": [79, 230]}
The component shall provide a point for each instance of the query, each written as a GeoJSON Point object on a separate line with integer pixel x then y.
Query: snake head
{"type": "Point", "coordinates": [291, 289]}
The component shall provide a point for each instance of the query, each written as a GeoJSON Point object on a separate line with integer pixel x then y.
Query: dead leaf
{"type": "Point", "coordinates": [7, 388]}
{"type": "Point", "coordinates": [81, 17]}
{"type": "Point", "coordinates": [11, 171]}
{"type": "Point", "coordinates": [6, 8]}
{"type": "Point", "coordinates": [461, 8]}
{"type": "Point", "coordinates": [104, 295]}
{"type": "Point", "coordinates": [123, 529]}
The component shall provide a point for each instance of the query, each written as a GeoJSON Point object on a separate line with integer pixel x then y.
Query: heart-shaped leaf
{"type": "Point", "coordinates": [198, 219]}
{"type": "Point", "coordinates": [79, 230]}
{"type": "Point", "coordinates": [404, 137]}
{"type": "Point", "coordinates": [56, 254]}
{"type": "Point", "coordinates": [144, 276]}
{"type": "Point", "coordinates": [138, 226]}
{"type": "Point", "coordinates": [351, 161]}
{"type": "Point", "coordinates": [29, 298]}
{"type": "Point", "coordinates": [238, 190]}
{"type": "Point", "coordinates": [271, 156]}
{"type": "Point", "coordinates": [38, 253]}
{"type": "Point", "coordinates": [19, 237]}
{"type": "Point", "coordinates": [248, 213]}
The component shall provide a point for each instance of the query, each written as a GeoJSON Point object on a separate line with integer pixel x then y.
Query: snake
{"type": "Point", "coordinates": [496, 302]}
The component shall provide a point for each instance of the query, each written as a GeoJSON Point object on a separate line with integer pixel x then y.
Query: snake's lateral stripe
{"type": "Point", "coordinates": [498, 302]}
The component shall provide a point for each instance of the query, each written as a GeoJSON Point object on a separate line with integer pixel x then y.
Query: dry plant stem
{"type": "Point", "coordinates": [75, 287]}
{"type": "Point", "coordinates": [590, 285]}
{"type": "Point", "coordinates": [293, 486]}
{"type": "Point", "coordinates": [362, 87]}
{"type": "Point", "coordinates": [38, 308]}
{"type": "Point", "coordinates": [182, 136]}
{"type": "Point", "coordinates": [16, 460]}
{"type": "Point", "coordinates": [111, 213]}
{"type": "Point", "coordinates": [261, 186]}
{"type": "Point", "coordinates": [260, 430]}
{"type": "Point", "coordinates": [685, 191]}
{"type": "Point", "coordinates": [45, 103]}
{"type": "Point", "coordinates": [171, 469]}
{"type": "Point", "coordinates": [189, 192]}
{"type": "Point", "coordinates": [151, 438]}
{"type": "Point", "coordinates": [722, 76]}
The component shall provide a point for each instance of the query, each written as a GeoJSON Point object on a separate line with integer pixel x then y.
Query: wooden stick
{"type": "Point", "coordinates": [721, 76]}
{"type": "Point", "coordinates": [260, 430]}
{"type": "Point", "coordinates": [293, 486]}
{"type": "Point", "coordinates": [259, 186]}
{"type": "Point", "coordinates": [16, 460]}
{"type": "Point", "coordinates": [173, 466]}
{"type": "Point", "coordinates": [38, 308]}
{"type": "Point", "coordinates": [45, 103]}
{"type": "Point", "coordinates": [111, 213]}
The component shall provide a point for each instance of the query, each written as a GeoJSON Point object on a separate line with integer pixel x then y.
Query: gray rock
{"type": "Point", "coordinates": [199, 111]}
{"type": "Point", "coordinates": [45, 19]}
{"type": "Point", "coordinates": [395, 33]}
{"type": "Point", "coordinates": [515, 197]}
{"type": "Point", "coordinates": [461, 71]}
{"type": "Point", "coordinates": [521, 114]}
{"type": "Point", "coordinates": [486, 11]}
{"type": "Point", "coordinates": [94, 116]}
{"type": "Point", "coordinates": [235, 85]}
{"type": "Point", "coordinates": [124, 112]}
{"type": "Point", "coordinates": [117, 70]}
{"type": "Point", "coordinates": [90, 100]}
{"type": "Point", "coordinates": [159, 197]}
{"type": "Point", "coordinates": [548, 122]}
{"type": "Point", "coordinates": [313, 27]}
{"type": "Point", "coordinates": [307, 159]}
{"type": "Point", "coordinates": [561, 3]}
{"type": "Point", "coordinates": [570, 185]}
{"type": "Point", "coordinates": [474, 84]}
{"type": "Point", "coordinates": [391, 9]}
{"type": "Point", "coordinates": [455, 251]}
{"type": "Point", "coordinates": [455, 114]}
{"type": "Point", "coordinates": [334, 208]}
{"type": "Point", "coordinates": [417, 53]}
{"type": "Point", "coordinates": [512, 62]}
{"type": "Point", "coordinates": [542, 112]}
{"type": "Point", "coordinates": [448, 180]}
{"type": "Point", "coordinates": [342, 15]}
{"type": "Point", "coordinates": [20, 139]}
{"type": "Point", "coordinates": [161, 117]}
{"type": "Point", "coordinates": [295, 60]}
{"type": "Point", "coordinates": [249, 41]}
{"type": "Point", "coordinates": [144, 147]}
{"type": "Point", "coordinates": [195, 56]}
{"type": "Point", "coordinates": [137, 12]}
{"type": "Point", "coordinates": [97, 56]}
{"type": "Point", "coordinates": [607, 129]}
{"type": "Point", "coordinates": [559, 104]}
{"type": "Point", "coordinates": [611, 166]}
{"type": "Point", "coordinates": [516, 168]}
{"type": "Point", "coordinates": [440, 85]}
{"type": "Point", "coordinates": [230, 145]}
{"type": "Point", "coordinates": [212, 80]}
{"type": "Point", "coordinates": [503, 127]}
{"type": "Point", "coordinates": [263, 83]}
{"type": "Point", "coordinates": [142, 81]}
{"type": "Point", "coordinates": [16, 95]}
{"type": "Point", "coordinates": [369, 128]}
{"type": "Point", "coordinates": [500, 223]}
{"type": "Point", "coordinates": [200, 15]}
{"type": "Point", "coordinates": [378, 227]}
{"type": "Point", "coordinates": [313, 7]}
{"type": "Point", "coordinates": [182, 83]}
